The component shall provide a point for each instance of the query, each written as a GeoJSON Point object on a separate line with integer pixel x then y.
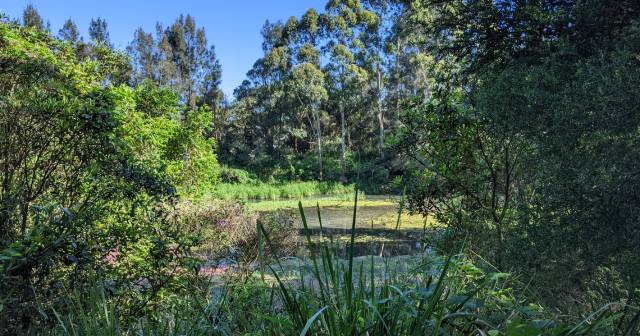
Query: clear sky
{"type": "Point", "coordinates": [233, 26]}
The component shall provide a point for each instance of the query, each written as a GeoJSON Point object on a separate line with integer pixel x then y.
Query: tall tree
{"type": "Point", "coordinates": [265, 98]}
{"type": "Point", "coordinates": [31, 17]}
{"type": "Point", "coordinates": [179, 57]}
{"type": "Point", "coordinates": [98, 31]}
{"type": "Point", "coordinates": [307, 87]}
{"type": "Point", "coordinates": [69, 32]}
{"type": "Point", "coordinates": [342, 22]}
{"type": "Point", "coordinates": [145, 58]}
{"type": "Point", "coordinates": [374, 39]}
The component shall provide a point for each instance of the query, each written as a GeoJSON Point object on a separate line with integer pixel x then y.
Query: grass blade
{"type": "Point", "coordinates": [312, 319]}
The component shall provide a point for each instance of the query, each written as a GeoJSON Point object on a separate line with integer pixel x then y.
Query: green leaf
{"type": "Point", "coordinates": [312, 319]}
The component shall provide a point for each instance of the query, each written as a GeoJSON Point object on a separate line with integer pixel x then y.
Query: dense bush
{"type": "Point", "coordinates": [156, 135]}
{"type": "Point", "coordinates": [88, 179]}
{"type": "Point", "coordinates": [528, 150]}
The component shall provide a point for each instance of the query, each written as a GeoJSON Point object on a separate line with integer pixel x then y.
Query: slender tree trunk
{"type": "Point", "coordinates": [398, 78]}
{"type": "Point", "coordinates": [343, 137]}
{"type": "Point", "coordinates": [319, 133]}
{"type": "Point", "coordinates": [270, 147]}
{"type": "Point", "coordinates": [380, 112]}
{"type": "Point", "coordinates": [25, 216]}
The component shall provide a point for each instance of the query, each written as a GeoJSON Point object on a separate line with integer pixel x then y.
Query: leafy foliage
{"type": "Point", "coordinates": [528, 145]}
{"type": "Point", "coordinates": [87, 178]}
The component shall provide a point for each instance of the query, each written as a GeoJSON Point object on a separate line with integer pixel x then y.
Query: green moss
{"type": "Point", "coordinates": [407, 221]}
{"type": "Point", "coordinates": [337, 212]}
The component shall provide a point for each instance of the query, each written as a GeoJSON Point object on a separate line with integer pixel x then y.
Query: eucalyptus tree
{"type": "Point", "coordinates": [346, 78]}
{"type": "Point", "coordinates": [98, 31]}
{"type": "Point", "coordinates": [408, 64]}
{"type": "Point", "coordinates": [31, 17]}
{"type": "Point", "coordinates": [372, 54]}
{"type": "Point", "coordinates": [307, 84]}
{"type": "Point", "coordinates": [346, 81]}
{"type": "Point", "coordinates": [180, 57]}
{"type": "Point", "coordinates": [145, 58]}
{"type": "Point", "coordinates": [263, 105]}
{"type": "Point", "coordinates": [69, 32]}
{"type": "Point", "coordinates": [197, 70]}
{"type": "Point", "coordinates": [307, 79]}
{"type": "Point", "coordinates": [269, 75]}
{"type": "Point", "coordinates": [286, 91]}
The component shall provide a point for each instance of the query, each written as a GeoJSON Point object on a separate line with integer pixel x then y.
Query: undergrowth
{"type": "Point", "coordinates": [334, 293]}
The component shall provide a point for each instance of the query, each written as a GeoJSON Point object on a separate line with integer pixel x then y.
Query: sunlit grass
{"type": "Point", "coordinates": [278, 191]}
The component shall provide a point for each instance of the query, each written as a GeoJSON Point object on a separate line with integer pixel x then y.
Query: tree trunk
{"type": "Point", "coordinates": [25, 217]}
{"type": "Point", "coordinates": [380, 113]}
{"type": "Point", "coordinates": [343, 137]}
{"type": "Point", "coordinates": [398, 88]}
{"type": "Point", "coordinates": [319, 133]}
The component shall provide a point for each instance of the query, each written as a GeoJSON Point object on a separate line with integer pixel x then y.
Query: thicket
{"type": "Point", "coordinates": [90, 168]}
{"type": "Point", "coordinates": [527, 149]}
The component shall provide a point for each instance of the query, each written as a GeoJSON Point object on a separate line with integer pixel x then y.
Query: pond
{"type": "Point", "coordinates": [375, 234]}
{"type": "Point", "coordinates": [376, 221]}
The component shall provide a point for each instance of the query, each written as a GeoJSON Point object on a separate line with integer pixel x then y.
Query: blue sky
{"type": "Point", "coordinates": [233, 26]}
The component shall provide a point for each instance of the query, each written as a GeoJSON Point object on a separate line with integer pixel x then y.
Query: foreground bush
{"type": "Point", "coordinates": [431, 296]}
{"type": "Point", "coordinates": [438, 296]}
{"type": "Point", "coordinates": [90, 170]}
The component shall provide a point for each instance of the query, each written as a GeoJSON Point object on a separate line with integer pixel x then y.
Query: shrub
{"type": "Point", "coordinates": [227, 231]}
{"type": "Point", "coordinates": [236, 176]}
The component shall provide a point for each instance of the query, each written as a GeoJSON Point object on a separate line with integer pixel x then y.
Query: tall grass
{"type": "Point", "coordinates": [287, 190]}
{"type": "Point", "coordinates": [94, 314]}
